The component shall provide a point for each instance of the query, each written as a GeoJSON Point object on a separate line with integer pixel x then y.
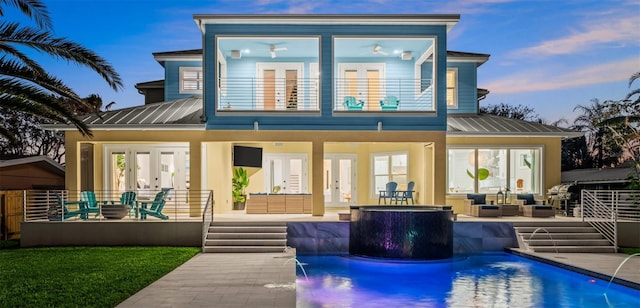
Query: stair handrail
{"type": "Point", "coordinates": [600, 210]}
{"type": "Point", "coordinates": [207, 219]}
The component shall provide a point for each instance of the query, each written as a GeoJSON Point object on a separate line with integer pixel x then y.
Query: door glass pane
{"type": "Point", "coordinates": [276, 175]}
{"type": "Point", "coordinates": [167, 170]}
{"type": "Point", "coordinates": [118, 172]}
{"type": "Point", "coordinates": [291, 89]}
{"type": "Point", "coordinates": [351, 83]}
{"type": "Point", "coordinates": [494, 163]}
{"type": "Point", "coordinates": [269, 83]}
{"type": "Point", "coordinates": [344, 180]}
{"type": "Point", "coordinates": [525, 175]}
{"type": "Point", "coordinates": [373, 90]}
{"type": "Point", "coordinates": [461, 169]}
{"type": "Point", "coordinates": [187, 170]}
{"type": "Point", "coordinates": [327, 181]}
{"type": "Point", "coordinates": [295, 176]}
{"type": "Point", "coordinates": [144, 183]}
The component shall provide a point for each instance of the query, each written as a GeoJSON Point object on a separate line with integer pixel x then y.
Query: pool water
{"type": "Point", "coordinates": [486, 280]}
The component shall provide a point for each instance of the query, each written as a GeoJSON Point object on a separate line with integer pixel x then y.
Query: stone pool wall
{"type": "Point", "coordinates": [330, 238]}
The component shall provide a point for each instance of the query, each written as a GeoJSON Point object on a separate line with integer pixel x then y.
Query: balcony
{"type": "Point", "coordinates": [277, 95]}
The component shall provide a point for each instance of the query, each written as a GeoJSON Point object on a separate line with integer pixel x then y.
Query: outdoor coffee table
{"type": "Point", "coordinates": [115, 211]}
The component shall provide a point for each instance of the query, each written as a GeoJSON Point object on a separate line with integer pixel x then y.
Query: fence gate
{"type": "Point", "coordinates": [10, 214]}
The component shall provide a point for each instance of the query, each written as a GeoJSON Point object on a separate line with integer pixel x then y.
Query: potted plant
{"type": "Point", "coordinates": [240, 181]}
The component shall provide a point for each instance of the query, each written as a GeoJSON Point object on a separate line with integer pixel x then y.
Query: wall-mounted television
{"type": "Point", "coordinates": [247, 156]}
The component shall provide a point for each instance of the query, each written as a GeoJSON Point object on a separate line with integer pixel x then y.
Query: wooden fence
{"type": "Point", "coordinates": [11, 202]}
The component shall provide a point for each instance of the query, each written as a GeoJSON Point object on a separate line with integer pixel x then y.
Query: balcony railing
{"type": "Point", "coordinates": [302, 95]}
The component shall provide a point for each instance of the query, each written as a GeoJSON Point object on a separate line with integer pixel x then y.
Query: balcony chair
{"type": "Point", "coordinates": [153, 208]}
{"type": "Point", "coordinates": [350, 103]}
{"type": "Point", "coordinates": [406, 195]}
{"type": "Point", "coordinates": [476, 205]}
{"type": "Point", "coordinates": [389, 193]}
{"type": "Point", "coordinates": [534, 208]}
{"type": "Point", "coordinates": [389, 103]}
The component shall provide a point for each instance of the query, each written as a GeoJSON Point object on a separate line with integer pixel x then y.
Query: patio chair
{"type": "Point", "coordinates": [406, 195]}
{"type": "Point", "coordinates": [534, 208]}
{"type": "Point", "coordinates": [350, 103]}
{"type": "Point", "coordinates": [389, 193]}
{"type": "Point", "coordinates": [153, 208]}
{"type": "Point", "coordinates": [389, 103]}
{"type": "Point", "coordinates": [476, 205]}
{"type": "Point", "coordinates": [63, 208]}
{"type": "Point", "coordinates": [129, 198]}
{"type": "Point", "coordinates": [91, 204]}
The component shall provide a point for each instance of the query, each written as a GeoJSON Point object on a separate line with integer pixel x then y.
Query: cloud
{"type": "Point", "coordinates": [610, 30]}
{"type": "Point", "coordinates": [544, 80]}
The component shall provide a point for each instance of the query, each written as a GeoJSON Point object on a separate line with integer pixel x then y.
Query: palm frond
{"type": "Point", "coordinates": [60, 48]}
{"type": "Point", "coordinates": [19, 55]}
{"type": "Point", "coordinates": [34, 9]}
{"type": "Point", "coordinates": [633, 77]}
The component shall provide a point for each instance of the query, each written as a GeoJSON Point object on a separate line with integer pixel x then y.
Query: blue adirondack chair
{"type": "Point", "coordinates": [389, 103]}
{"type": "Point", "coordinates": [91, 204]}
{"type": "Point", "coordinates": [129, 198]}
{"type": "Point", "coordinates": [350, 103]}
{"type": "Point", "coordinates": [154, 208]}
{"type": "Point", "coordinates": [64, 209]}
{"type": "Point", "coordinates": [406, 195]}
{"type": "Point", "coordinates": [389, 193]}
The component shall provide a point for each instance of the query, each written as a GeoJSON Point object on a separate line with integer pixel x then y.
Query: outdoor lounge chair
{"type": "Point", "coordinates": [153, 208]}
{"type": "Point", "coordinates": [350, 103]}
{"type": "Point", "coordinates": [534, 208]}
{"type": "Point", "coordinates": [91, 204]}
{"type": "Point", "coordinates": [406, 195]}
{"type": "Point", "coordinates": [129, 198]}
{"type": "Point", "coordinates": [63, 208]}
{"type": "Point", "coordinates": [389, 103]}
{"type": "Point", "coordinates": [476, 205]}
{"type": "Point", "coordinates": [389, 193]}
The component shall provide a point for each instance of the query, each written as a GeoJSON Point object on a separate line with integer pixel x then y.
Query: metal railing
{"type": "Point", "coordinates": [602, 209]}
{"type": "Point", "coordinates": [410, 94]}
{"type": "Point", "coordinates": [180, 205]}
{"type": "Point", "coordinates": [207, 217]}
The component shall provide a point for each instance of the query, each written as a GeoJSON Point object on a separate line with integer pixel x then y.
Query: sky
{"type": "Point", "coordinates": [549, 55]}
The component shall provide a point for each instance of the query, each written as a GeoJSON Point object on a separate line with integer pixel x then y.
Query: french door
{"type": "Point", "coordinates": [285, 173]}
{"type": "Point", "coordinates": [279, 85]}
{"type": "Point", "coordinates": [339, 179]}
{"type": "Point", "coordinates": [146, 169]}
{"type": "Point", "coordinates": [364, 81]}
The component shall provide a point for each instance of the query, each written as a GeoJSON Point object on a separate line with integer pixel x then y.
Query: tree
{"type": "Point", "coordinates": [519, 112]}
{"type": "Point", "coordinates": [25, 85]}
{"type": "Point", "coordinates": [602, 148]}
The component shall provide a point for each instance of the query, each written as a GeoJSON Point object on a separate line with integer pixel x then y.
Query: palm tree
{"type": "Point", "coordinates": [25, 86]}
{"type": "Point", "coordinates": [599, 136]}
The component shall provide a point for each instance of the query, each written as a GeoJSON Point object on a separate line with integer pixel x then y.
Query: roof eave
{"type": "Point", "coordinates": [62, 127]}
{"type": "Point", "coordinates": [567, 135]}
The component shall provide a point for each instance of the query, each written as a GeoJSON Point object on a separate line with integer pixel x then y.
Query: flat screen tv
{"type": "Point", "coordinates": [247, 156]}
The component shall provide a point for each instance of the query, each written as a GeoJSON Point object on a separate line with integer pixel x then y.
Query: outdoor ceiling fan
{"type": "Point", "coordinates": [377, 49]}
{"type": "Point", "coordinates": [273, 49]}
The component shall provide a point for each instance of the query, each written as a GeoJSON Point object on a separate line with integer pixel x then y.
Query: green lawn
{"type": "Point", "coordinates": [629, 250]}
{"type": "Point", "coordinates": [82, 276]}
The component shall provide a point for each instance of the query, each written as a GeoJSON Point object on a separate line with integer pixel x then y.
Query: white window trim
{"type": "Point", "coordinates": [455, 89]}
{"type": "Point", "coordinates": [372, 182]}
{"type": "Point", "coordinates": [476, 147]}
{"type": "Point", "coordinates": [183, 70]}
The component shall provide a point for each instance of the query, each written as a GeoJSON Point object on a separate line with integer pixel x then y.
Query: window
{"type": "Point", "coordinates": [487, 170]}
{"type": "Point", "coordinates": [191, 80]}
{"type": "Point", "coordinates": [388, 167]}
{"type": "Point", "coordinates": [452, 88]}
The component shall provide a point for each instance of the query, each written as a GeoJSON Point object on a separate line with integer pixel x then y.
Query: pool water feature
{"type": "Point", "coordinates": [485, 280]}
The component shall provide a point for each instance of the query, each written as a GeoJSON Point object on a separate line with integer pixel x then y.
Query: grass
{"type": "Point", "coordinates": [629, 250]}
{"type": "Point", "coordinates": [82, 276]}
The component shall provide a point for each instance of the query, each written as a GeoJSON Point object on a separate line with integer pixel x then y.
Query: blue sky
{"type": "Point", "coordinates": [550, 55]}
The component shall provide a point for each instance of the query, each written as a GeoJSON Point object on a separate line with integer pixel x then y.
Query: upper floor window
{"type": "Point", "coordinates": [452, 88]}
{"type": "Point", "coordinates": [191, 80]}
{"type": "Point", "coordinates": [388, 167]}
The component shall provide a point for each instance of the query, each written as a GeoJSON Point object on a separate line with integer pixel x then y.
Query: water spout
{"type": "Point", "coordinates": [300, 265]}
{"type": "Point", "coordinates": [618, 269]}
{"type": "Point", "coordinates": [547, 231]}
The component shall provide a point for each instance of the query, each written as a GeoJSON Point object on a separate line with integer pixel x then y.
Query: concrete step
{"type": "Point", "coordinates": [559, 236]}
{"type": "Point", "coordinates": [552, 230]}
{"type": "Point", "coordinates": [243, 249]}
{"type": "Point", "coordinates": [246, 242]}
{"type": "Point", "coordinates": [573, 249]}
{"type": "Point", "coordinates": [559, 243]}
{"type": "Point", "coordinates": [248, 229]}
{"type": "Point", "coordinates": [248, 223]}
{"type": "Point", "coordinates": [248, 236]}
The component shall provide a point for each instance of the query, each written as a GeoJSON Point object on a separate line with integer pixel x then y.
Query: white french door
{"type": "Point", "coordinates": [339, 179]}
{"type": "Point", "coordinates": [285, 173]}
{"type": "Point", "coordinates": [146, 169]}
{"type": "Point", "coordinates": [279, 85]}
{"type": "Point", "coordinates": [365, 81]}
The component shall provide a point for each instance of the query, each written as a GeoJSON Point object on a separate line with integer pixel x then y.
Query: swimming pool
{"type": "Point", "coordinates": [486, 280]}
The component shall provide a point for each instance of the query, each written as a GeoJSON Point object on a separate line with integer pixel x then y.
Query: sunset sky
{"type": "Point", "coordinates": [546, 54]}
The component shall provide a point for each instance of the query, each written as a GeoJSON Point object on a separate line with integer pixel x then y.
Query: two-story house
{"type": "Point", "coordinates": [338, 104]}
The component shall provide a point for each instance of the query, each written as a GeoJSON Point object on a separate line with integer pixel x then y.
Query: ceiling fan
{"type": "Point", "coordinates": [273, 49]}
{"type": "Point", "coordinates": [377, 50]}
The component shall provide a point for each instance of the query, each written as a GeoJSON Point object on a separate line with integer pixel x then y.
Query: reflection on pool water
{"type": "Point", "coordinates": [486, 280]}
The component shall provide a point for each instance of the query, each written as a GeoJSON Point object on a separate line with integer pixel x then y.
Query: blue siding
{"type": "Point", "coordinates": [325, 120]}
{"type": "Point", "coordinates": [172, 78]}
{"type": "Point", "coordinates": [467, 87]}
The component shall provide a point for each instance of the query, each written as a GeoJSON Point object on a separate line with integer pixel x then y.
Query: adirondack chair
{"type": "Point", "coordinates": [350, 103]}
{"type": "Point", "coordinates": [91, 204]}
{"type": "Point", "coordinates": [389, 103]}
{"type": "Point", "coordinates": [62, 208]}
{"type": "Point", "coordinates": [154, 208]}
{"type": "Point", "coordinates": [129, 198]}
